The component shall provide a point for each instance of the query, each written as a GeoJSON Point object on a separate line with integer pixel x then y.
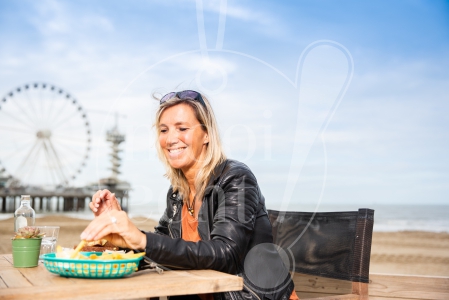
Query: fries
{"type": "Point", "coordinates": [78, 248]}
{"type": "Point", "coordinates": [115, 255]}
{"type": "Point", "coordinates": [112, 255]}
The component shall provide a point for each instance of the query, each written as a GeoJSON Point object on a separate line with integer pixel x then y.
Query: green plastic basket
{"type": "Point", "coordinates": [88, 268]}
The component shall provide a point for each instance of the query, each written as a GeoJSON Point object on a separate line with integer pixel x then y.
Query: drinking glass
{"type": "Point", "coordinates": [48, 244]}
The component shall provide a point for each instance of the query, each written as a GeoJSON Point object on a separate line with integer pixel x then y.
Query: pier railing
{"type": "Point", "coordinates": [64, 200]}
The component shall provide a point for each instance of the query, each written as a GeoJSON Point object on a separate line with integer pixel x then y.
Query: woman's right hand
{"type": "Point", "coordinates": [103, 200]}
{"type": "Point", "coordinates": [117, 228]}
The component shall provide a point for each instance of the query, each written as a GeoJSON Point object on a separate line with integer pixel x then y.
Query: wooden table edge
{"type": "Point", "coordinates": [142, 284]}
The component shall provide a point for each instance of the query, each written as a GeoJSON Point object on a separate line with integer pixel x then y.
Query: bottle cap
{"type": "Point", "coordinates": [25, 197]}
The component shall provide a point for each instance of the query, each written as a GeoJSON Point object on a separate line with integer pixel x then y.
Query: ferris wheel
{"type": "Point", "coordinates": [45, 135]}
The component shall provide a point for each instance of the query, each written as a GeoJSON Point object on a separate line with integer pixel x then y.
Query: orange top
{"type": "Point", "coordinates": [189, 225]}
{"type": "Point", "coordinates": [190, 233]}
{"type": "Point", "coordinates": [293, 296]}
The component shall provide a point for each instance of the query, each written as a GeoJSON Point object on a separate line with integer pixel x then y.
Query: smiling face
{"type": "Point", "coordinates": [182, 138]}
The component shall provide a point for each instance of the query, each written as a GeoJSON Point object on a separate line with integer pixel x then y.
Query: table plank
{"type": "Point", "coordinates": [35, 276]}
{"type": "Point", "coordinates": [8, 258]}
{"type": "Point", "coordinates": [40, 276]}
{"type": "Point", "coordinates": [2, 284]}
{"type": "Point", "coordinates": [4, 262]}
{"type": "Point", "coordinates": [408, 286]}
{"type": "Point", "coordinates": [143, 285]}
{"type": "Point", "coordinates": [315, 284]}
{"type": "Point", "coordinates": [14, 279]}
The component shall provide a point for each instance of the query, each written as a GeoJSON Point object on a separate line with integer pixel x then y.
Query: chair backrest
{"type": "Point", "coordinates": [327, 244]}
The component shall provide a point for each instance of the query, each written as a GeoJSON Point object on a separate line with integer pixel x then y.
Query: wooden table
{"type": "Point", "coordinates": [39, 283]}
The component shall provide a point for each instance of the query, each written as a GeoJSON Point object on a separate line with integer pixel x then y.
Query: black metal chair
{"type": "Point", "coordinates": [328, 252]}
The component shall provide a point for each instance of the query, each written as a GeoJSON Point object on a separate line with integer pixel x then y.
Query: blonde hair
{"type": "Point", "coordinates": [214, 151]}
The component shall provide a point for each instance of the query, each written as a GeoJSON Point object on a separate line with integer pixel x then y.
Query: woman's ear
{"type": "Point", "coordinates": [206, 139]}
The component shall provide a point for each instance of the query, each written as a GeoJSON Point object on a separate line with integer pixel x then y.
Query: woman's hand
{"type": "Point", "coordinates": [102, 201]}
{"type": "Point", "coordinates": [117, 228]}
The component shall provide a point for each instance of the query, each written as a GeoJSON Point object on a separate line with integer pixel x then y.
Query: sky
{"type": "Point", "coordinates": [328, 102]}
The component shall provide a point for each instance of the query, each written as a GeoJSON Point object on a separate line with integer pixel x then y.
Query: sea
{"type": "Point", "coordinates": [387, 218]}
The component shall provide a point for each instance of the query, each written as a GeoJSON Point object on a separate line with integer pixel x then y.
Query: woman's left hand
{"type": "Point", "coordinates": [103, 200]}
{"type": "Point", "coordinates": [117, 228]}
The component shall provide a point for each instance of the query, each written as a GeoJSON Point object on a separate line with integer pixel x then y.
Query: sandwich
{"type": "Point", "coordinates": [99, 246]}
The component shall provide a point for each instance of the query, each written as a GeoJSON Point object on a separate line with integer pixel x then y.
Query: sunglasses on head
{"type": "Point", "coordinates": [188, 94]}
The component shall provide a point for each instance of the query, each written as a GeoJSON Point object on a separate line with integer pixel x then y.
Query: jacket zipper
{"type": "Point", "coordinates": [175, 211]}
{"type": "Point", "coordinates": [169, 229]}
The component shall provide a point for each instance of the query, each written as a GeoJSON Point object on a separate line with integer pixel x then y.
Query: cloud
{"type": "Point", "coordinates": [58, 18]}
{"type": "Point", "coordinates": [240, 12]}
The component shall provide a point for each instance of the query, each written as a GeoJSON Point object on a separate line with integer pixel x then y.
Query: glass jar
{"type": "Point", "coordinates": [24, 215]}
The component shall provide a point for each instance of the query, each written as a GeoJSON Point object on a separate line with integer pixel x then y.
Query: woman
{"type": "Point", "coordinates": [215, 216]}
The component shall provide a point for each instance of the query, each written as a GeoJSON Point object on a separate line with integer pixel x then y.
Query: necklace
{"type": "Point", "coordinates": [191, 209]}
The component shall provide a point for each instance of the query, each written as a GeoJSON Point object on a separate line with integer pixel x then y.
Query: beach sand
{"type": "Point", "coordinates": [406, 252]}
{"type": "Point", "coordinates": [410, 252]}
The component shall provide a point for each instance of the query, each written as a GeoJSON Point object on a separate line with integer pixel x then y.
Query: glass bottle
{"type": "Point", "coordinates": [24, 215]}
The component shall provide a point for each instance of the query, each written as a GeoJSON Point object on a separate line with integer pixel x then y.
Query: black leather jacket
{"type": "Point", "coordinates": [236, 236]}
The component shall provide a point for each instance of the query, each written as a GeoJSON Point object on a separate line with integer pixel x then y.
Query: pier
{"type": "Point", "coordinates": [65, 200]}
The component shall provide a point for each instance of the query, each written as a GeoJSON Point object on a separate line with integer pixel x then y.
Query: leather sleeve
{"type": "Point", "coordinates": [238, 195]}
{"type": "Point", "coordinates": [162, 227]}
